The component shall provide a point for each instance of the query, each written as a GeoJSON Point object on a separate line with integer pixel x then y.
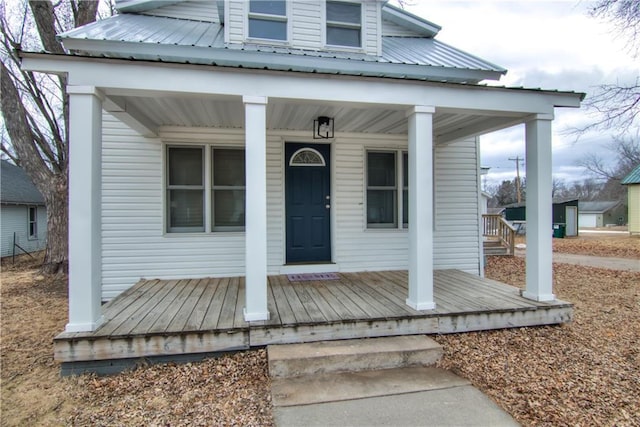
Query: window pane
{"type": "Point", "coordinates": [265, 29]}
{"type": "Point", "coordinates": [228, 167]}
{"type": "Point", "coordinates": [381, 207]}
{"type": "Point", "coordinates": [405, 170]}
{"type": "Point", "coordinates": [275, 7]}
{"type": "Point", "coordinates": [381, 169]}
{"type": "Point", "coordinates": [185, 166]}
{"type": "Point", "coordinates": [343, 36]}
{"type": "Point", "coordinates": [343, 12]}
{"type": "Point", "coordinates": [405, 207]}
{"type": "Point", "coordinates": [186, 209]}
{"type": "Point", "coordinates": [228, 208]}
{"type": "Point", "coordinates": [32, 214]}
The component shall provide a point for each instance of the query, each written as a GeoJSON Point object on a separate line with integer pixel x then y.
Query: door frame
{"type": "Point", "coordinates": [330, 265]}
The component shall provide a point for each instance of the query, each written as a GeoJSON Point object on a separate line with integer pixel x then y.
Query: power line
{"type": "Point", "coordinates": [517, 159]}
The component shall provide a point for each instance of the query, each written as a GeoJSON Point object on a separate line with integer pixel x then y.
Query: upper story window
{"type": "Point", "coordinates": [344, 24]}
{"type": "Point", "coordinates": [268, 19]}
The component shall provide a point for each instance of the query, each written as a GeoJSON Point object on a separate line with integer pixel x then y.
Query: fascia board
{"type": "Point", "coordinates": [410, 21]}
{"type": "Point", "coordinates": [274, 61]}
{"type": "Point", "coordinates": [142, 5]}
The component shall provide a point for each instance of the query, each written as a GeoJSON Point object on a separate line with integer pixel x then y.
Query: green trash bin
{"type": "Point", "coordinates": [559, 230]}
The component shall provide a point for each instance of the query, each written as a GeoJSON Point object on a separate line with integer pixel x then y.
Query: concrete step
{"type": "Point", "coordinates": [336, 387]}
{"type": "Point", "coordinates": [496, 251]}
{"type": "Point", "coordinates": [296, 360]}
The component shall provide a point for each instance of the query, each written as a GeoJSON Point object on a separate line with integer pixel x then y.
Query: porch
{"type": "Point", "coordinates": [190, 316]}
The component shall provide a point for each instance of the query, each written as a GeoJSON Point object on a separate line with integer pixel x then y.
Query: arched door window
{"type": "Point", "coordinates": [307, 157]}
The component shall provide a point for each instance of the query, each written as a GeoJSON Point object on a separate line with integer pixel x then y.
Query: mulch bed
{"type": "Point", "coordinates": [583, 373]}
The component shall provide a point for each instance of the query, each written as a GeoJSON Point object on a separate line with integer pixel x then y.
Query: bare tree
{"type": "Point", "coordinates": [627, 151]}
{"type": "Point", "coordinates": [617, 105]}
{"type": "Point", "coordinates": [35, 107]}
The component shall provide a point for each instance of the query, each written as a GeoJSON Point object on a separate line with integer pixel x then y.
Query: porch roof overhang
{"type": "Point", "coordinates": [150, 94]}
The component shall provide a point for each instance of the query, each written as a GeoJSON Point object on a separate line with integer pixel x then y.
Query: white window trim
{"type": "Point", "coordinates": [399, 153]}
{"type": "Point", "coordinates": [208, 190]}
{"type": "Point", "coordinates": [35, 223]}
{"type": "Point", "coordinates": [167, 188]}
{"type": "Point", "coordinates": [286, 18]}
{"type": "Point", "coordinates": [323, 18]}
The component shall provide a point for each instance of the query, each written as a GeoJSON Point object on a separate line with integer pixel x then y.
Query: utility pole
{"type": "Point", "coordinates": [517, 159]}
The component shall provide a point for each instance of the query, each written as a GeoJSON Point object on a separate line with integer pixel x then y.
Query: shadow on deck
{"type": "Point", "coordinates": [200, 316]}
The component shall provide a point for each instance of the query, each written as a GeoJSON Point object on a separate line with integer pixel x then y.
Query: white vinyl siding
{"type": "Point", "coordinates": [306, 17]}
{"type": "Point", "coordinates": [235, 21]}
{"type": "Point", "coordinates": [391, 29]}
{"type": "Point", "coordinates": [195, 10]}
{"type": "Point", "coordinates": [134, 244]}
{"type": "Point", "coordinates": [15, 218]}
{"type": "Point", "coordinates": [457, 210]}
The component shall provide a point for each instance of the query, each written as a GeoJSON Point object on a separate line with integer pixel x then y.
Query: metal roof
{"type": "Point", "coordinates": [597, 206]}
{"type": "Point", "coordinates": [16, 186]}
{"type": "Point", "coordinates": [161, 38]}
{"type": "Point", "coordinates": [633, 177]}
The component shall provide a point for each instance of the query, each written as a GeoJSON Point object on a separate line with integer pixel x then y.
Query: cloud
{"type": "Point", "coordinates": [545, 44]}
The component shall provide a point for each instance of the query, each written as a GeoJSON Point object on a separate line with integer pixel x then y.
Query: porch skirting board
{"type": "Point", "coordinates": [195, 316]}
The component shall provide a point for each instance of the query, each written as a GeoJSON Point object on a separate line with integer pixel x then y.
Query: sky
{"type": "Point", "coordinates": [544, 44]}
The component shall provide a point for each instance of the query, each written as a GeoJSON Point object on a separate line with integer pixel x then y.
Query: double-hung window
{"type": "Point", "coordinates": [387, 189]}
{"type": "Point", "coordinates": [195, 200]}
{"type": "Point", "coordinates": [268, 19]}
{"type": "Point", "coordinates": [185, 189]}
{"type": "Point", "coordinates": [33, 222]}
{"type": "Point", "coordinates": [228, 189]}
{"type": "Point", "coordinates": [344, 24]}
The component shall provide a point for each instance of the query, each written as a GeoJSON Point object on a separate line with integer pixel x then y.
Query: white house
{"type": "Point", "coordinates": [23, 215]}
{"type": "Point", "coordinates": [251, 138]}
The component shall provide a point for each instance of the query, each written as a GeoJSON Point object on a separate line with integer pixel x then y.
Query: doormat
{"type": "Point", "coordinates": [312, 276]}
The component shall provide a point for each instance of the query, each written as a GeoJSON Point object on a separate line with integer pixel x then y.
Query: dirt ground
{"type": "Point", "coordinates": [583, 373]}
{"type": "Point", "coordinates": [607, 245]}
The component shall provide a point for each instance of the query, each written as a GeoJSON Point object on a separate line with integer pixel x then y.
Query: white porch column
{"type": "Point", "coordinates": [421, 208]}
{"type": "Point", "coordinates": [539, 274]}
{"type": "Point", "coordinates": [85, 176]}
{"type": "Point", "coordinates": [255, 108]}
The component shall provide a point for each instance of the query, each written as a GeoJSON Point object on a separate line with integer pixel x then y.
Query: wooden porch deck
{"type": "Point", "coordinates": [177, 317]}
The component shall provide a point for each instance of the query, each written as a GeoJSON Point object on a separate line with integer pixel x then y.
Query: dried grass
{"type": "Point", "coordinates": [583, 373]}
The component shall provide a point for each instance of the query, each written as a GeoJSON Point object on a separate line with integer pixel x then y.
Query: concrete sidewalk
{"type": "Point", "coordinates": [610, 263]}
{"type": "Point", "coordinates": [422, 396]}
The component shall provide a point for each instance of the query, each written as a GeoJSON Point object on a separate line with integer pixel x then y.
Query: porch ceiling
{"type": "Point", "coordinates": [298, 116]}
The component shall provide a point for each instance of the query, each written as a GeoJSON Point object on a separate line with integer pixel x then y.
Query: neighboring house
{"type": "Point", "coordinates": [564, 212]}
{"type": "Point", "coordinates": [632, 181]}
{"type": "Point", "coordinates": [602, 213]}
{"type": "Point", "coordinates": [23, 215]}
{"type": "Point", "coordinates": [250, 138]}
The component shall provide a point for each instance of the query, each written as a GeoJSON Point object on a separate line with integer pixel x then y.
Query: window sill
{"type": "Point", "coordinates": [270, 42]}
{"type": "Point", "coordinates": [386, 230]}
{"type": "Point", "coordinates": [202, 234]}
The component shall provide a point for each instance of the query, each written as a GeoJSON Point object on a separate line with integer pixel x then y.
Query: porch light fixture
{"type": "Point", "coordinates": [323, 127]}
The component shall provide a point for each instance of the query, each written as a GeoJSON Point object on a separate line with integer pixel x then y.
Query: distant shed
{"type": "Point", "coordinates": [602, 213]}
{"type": "Point", "coordinates": [564, 212]}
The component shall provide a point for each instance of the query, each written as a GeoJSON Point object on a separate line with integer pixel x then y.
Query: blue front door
{"type": "Point", "coordinates": [308, 202]}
